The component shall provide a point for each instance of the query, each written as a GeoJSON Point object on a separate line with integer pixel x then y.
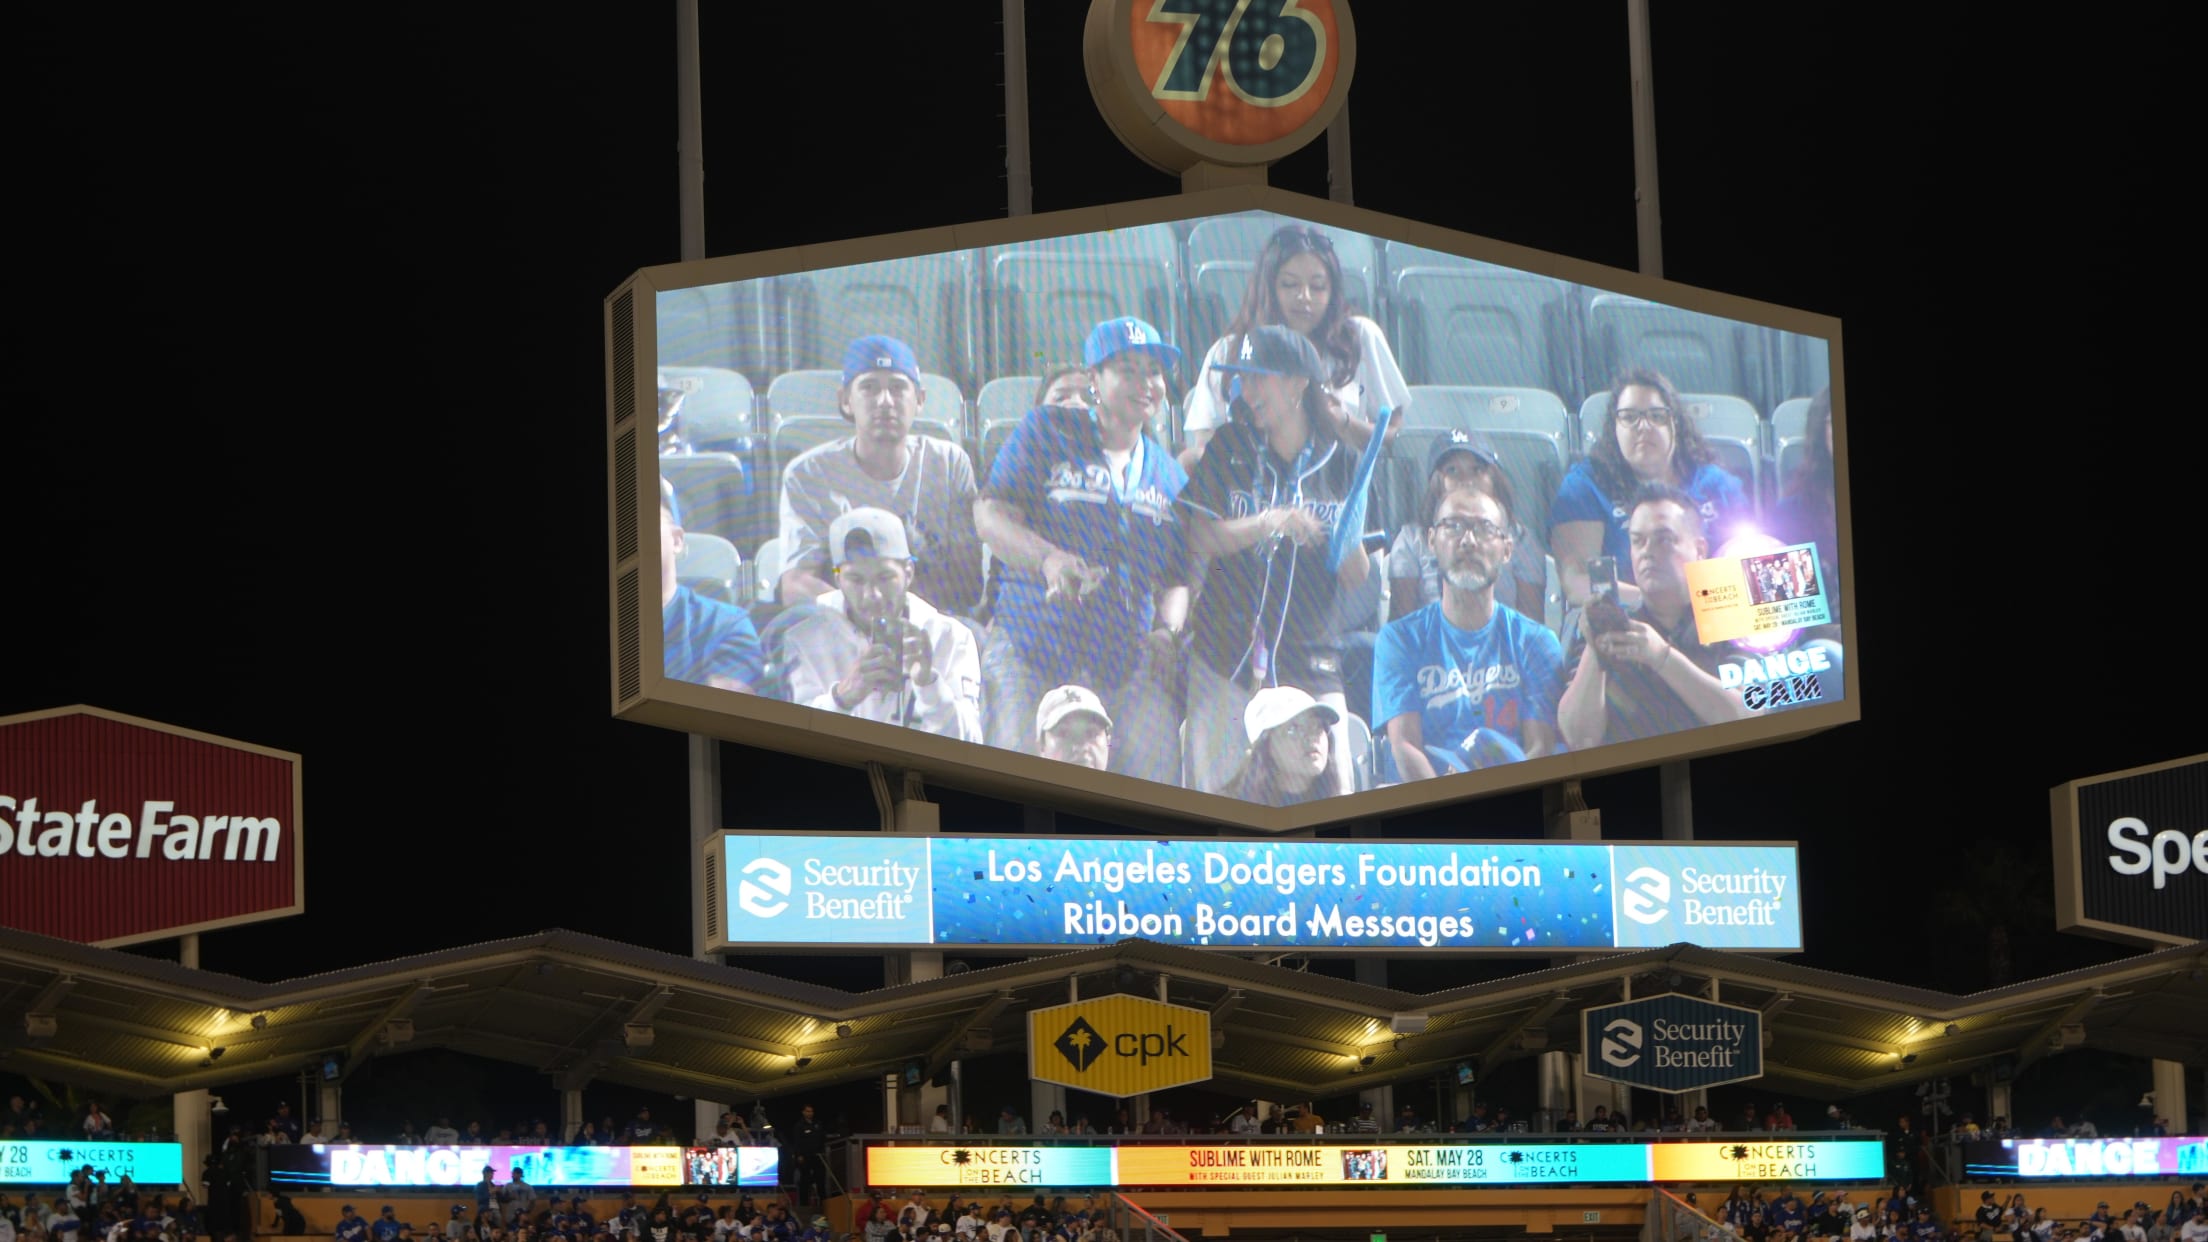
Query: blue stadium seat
{"type": "Point", "coordinates": [1789, 428]}
{"type": "Point", "coordinates": [710, 566]}
{"type": "Point", "coordinates": [1003, 400]}
{"type": "Point", "coordinates": [1529, 427]}
{"type": "Point", "coordinates": [1223, 250]}
{"type": "Point", "coordinates": [720, 413]}
{"type": "Point", "coordinates": [1043, 297]}
{"type": "Point", "coordinates": [718, 326]}
{"type": "Point", "coordinates": [716, 496]}
{"type": "Point", "coordinates": [927, 302]}
{"type": "Point", "coordinates": [766, 571]}
{"type": "Point", "coordinates": [1804, 364]}
{"type": "Point", "coordinates": [993, 436]}
{"type": "Point", "coordinates": [1696, 352]}
{"type": "Point", "coordinates": [1729, 425]}
{"type": "Point", "coordinates": [812, 394]}
{"type": "Point", "coordinates": [1790, 421]}
{"type": "Point", "coordinates": [1460, 321]}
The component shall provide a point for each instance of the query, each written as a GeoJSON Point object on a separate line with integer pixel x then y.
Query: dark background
{"type": "Point", "coordinates": [306, 447]}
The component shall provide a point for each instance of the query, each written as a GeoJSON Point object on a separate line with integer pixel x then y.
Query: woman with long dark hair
{"type": "Point", "coordinates": [1808, 510]}
{"type": "Point", "coordinates": [1647, 436]}
{"type": "Point", "coordinates": [1291, 757]}
{"type": "Point", "coordinates": [1260, 513]}
{"type": "Point", "coordinates": [1297, 284]}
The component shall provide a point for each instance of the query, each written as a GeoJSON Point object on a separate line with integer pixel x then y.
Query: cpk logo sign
{"type": "Point", "coordinates": [1238, 82]}
{"type": "Point", "coordinates": [1621, 1043]}
{"type": "Point", "coordinates": [1673, 1043]}
{"type": "Point", "coordinates": [765, 884]}
{"type": "Point", "coordinates": [175, 831]}
{"type": "Point", "coordinates": [2131, 853]}
{"type": "Point", "coordinates": [1645, 897]}
{"type": "Point", "coordinates": [1119, 1045]}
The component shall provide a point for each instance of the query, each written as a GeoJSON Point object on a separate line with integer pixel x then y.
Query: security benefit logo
{"type": "Point", "coordinates": [762, 891]}
{"type": "Point", "coordinates": [1674, 1043]}
{"type": "Point", "coordinates": [1119, 1045]}
{"type": "Point", "coordinates": [1621, 1043]}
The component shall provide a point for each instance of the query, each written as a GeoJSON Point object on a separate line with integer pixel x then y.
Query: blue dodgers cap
{"type": "Point", "coordinates": [1117, 336]}
{"type": "Point", "coordinates": [879, 353]}
{"type": "Point", "coordinates": [1462, 440]}
{"type": "Point", "coordinates": [1275, 350]}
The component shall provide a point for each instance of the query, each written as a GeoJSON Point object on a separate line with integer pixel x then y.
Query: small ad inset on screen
{"type": "Point", "coordinates": [1757, 596]}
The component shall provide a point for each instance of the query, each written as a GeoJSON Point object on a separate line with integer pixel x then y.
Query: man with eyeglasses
{"type": "Point", "coordinates": [1466, 682]}
{"type": "Point", "coordinates": [873, 649]}
{"type": "Point", "coordinates": [1640, 671]}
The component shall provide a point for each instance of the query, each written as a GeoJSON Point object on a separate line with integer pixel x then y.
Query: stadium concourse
{"type": "Point", "coordinates": [132, 1026]}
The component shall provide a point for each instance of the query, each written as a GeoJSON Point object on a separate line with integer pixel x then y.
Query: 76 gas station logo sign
{"type": "Point", "coordinates": [1268, 52]}
{"type": "Point", "coordinates": [1235, 82]}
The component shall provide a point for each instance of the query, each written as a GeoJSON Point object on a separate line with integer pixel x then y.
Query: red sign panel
{"type": "Point", "coordinates": [115, 830]}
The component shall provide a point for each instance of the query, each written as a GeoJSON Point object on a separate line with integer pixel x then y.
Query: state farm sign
{"type": "Point", "coordinates": [115, 830]}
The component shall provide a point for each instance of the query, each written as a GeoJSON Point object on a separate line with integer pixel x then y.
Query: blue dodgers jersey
{"type": "Point", "coordinates": [1053, 470]}
{"type": "Point", "coordinates": [1716, 492]}
{"type": "Point", "coordinates": [1499, 676]}
{"type": "Point", "coordinates": [704, 637]}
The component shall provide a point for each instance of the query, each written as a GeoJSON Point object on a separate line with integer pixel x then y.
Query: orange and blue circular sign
{"type": "Point", "coordinates": [1237, 82]}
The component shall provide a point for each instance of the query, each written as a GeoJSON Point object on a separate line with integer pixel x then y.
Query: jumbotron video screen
{"type": "Point", "coordinates": [1246, 505]}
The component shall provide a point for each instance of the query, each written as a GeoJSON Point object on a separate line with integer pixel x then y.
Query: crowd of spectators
{"type": "Point", "coordinates": [879, 1217]}
{"type": "Point", "coordinates": [1169, 593]}
{"type": "Point", "coordinates": [91, 1209]}
{"type": "Point", "coordinates": [1901, 1214]}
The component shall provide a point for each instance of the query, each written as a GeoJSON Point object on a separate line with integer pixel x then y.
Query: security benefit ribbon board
{"type": "Point", "coordinates": [1673, 1043]}
{"type": "Point", "coordinates": [1119, 1045]}
{"type": "Point", "coordinates": [830, 891]}
{"type": "Point", "coordinates": [1374, 1163]}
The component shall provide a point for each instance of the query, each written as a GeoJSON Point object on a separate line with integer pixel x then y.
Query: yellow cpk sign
{"type": "Point", "coordinates": [1119, 1045]}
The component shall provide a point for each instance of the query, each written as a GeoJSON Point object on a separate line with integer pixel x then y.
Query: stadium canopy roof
{"type": "Point", "coordinates": [577, 1008]}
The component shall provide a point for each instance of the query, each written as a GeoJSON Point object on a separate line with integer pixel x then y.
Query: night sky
{"type": "Point", "coordinates": [311, 449]}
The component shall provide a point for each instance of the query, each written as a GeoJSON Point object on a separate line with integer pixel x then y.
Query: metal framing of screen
{"type": "Point", "coordinates": [1239, 507]}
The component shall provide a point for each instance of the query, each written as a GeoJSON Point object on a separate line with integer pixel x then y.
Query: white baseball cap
{"type": "Point", "coordinates": [1064, 702]}
{"type": "Point", "coordinates": [883, 530]}
{"type": "Point", "coordinates": [1275, 706]}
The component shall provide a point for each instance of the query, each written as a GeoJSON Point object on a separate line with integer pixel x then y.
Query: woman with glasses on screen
{"type": "Point", "coordinates": [1646, 437]}
{"type": "Point", "coordinates": [1297, 283]}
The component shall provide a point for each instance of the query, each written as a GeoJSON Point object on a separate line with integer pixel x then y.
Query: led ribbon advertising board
{"type": "Point", "coordinates": [1371, 1162]}
{"type": "Point", "coordinates": [853, 890]}
{"type": "Point", "coordinates": [331, 1164]}
{"type": "Point", "coordinates": [2108, 1157]}
{"type": "Point", "coordinates": [36, 1162]}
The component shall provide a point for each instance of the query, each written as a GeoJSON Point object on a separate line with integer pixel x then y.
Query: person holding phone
{"type": "Point", "coordinates": [872, 648]}
{"type": "Point", "coordinates": [1641, 671]}
{"type": "Point", "coordinates": [1647, 437]}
